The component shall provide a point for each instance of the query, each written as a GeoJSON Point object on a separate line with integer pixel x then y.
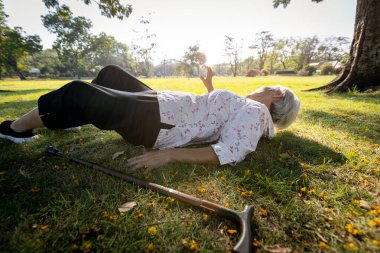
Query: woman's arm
{"type": "Point", "coordinates": [155, 159]}
{"type": "Point", "coordinates": [208, 80]}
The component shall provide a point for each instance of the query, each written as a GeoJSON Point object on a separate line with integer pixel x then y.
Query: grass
{"type": "Point", "coordinates": [315, 185]}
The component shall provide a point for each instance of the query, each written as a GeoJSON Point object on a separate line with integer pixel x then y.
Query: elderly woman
{"type": "Point", "coordinates": [164, 120]}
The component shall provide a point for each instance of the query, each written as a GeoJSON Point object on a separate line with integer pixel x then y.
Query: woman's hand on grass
{"type": "Point", "coordinates": [150, 160]}
{"type": "Point", "coordinates": [208, 80]}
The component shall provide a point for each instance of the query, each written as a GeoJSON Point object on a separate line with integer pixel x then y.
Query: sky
{"type": "Point", "coordinates": [179, 24]}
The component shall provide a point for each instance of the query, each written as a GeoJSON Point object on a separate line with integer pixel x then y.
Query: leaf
{"type": "Point", "coordinates": [127, 206]}
{"type": "Point", "coordinates": [278, 248]}
{"type": "Point", "coordinates": [24, 173]}
{"type": "Point", "coordinates": [72, 147]}
{"type": "Point", "coordinates": [117, 154]}
{"type": "Point", "coordinates": [284, 155]}
{"type": "Point", "coordinates": [364, 204]}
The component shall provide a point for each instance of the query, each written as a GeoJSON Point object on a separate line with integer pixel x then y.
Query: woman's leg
{"type": "Point", "coordinates": [21, 131]}
{"type": "Point", "coordinates": [134, 116]}
{"type": "Point", "coordinates": [116, 78]}
{"type": "Point", "coordinates": [28, 121]}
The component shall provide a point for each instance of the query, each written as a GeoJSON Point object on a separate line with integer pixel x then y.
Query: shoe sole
{"type": "Point", "coordinates": [73, 129]}
{"type": "Point", "coordinates": [18, 140]}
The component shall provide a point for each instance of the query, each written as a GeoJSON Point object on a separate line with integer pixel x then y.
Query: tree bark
{"type": "Point", "coordinates": [362, 70]}
{"type": "Point", "coordinates": [283, 64]}
{"type": "Point", "coordinates": [13, 63]}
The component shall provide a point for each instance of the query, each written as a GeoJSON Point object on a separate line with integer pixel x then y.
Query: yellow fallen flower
{"type": "Point", "coordinates": [352, 230]}
{"type": "Point", "coordinates": [232, 231]}
{"type": "Point", "coordinates": [43, 229]}
{"type": "Point", "coordinates": [86, 246]}
{"type": "Point", "coordinates": [374, 222]}
{"type": "Point", "coordinates": [323, 246]}
{"type": "Point", "coordinates": [193, 245]}
{"type": "Point", "coordinates": [263, 212]}
{"type": "Point", "coordinates": [103, 214]}
{"type": "Point", "coordinates": [149, 248]}
{"type": "Point", "coordinates": [152, 230]}
{"type": "Point", "coordinates": [201, 190]}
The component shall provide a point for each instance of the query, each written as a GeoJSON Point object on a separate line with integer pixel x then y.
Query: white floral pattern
{"type": "Point", "coordinates": [235, 123]}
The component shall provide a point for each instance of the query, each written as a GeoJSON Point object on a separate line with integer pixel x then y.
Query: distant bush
{"type": "Point", "coordinates": [339, 69]}
{"type": "Point", "coordinates": [286, 72]}
{"type": "Point", "coordinates": [303, 72]}
{"type": "Point", "coordinates": [310, 70]}
{"type": "Point", "coordinates": [264, 72]}
{"type": "Point", "coordinates": [327, 69]}
{"type": "Point", "coordinates": [253, 73]}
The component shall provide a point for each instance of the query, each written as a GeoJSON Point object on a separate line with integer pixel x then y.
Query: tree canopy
{"type": "Point", "coordinates": [108, 8]}
{"type": "Point", "coordinates": [285, 3]}
{"type": "Point", "coordinates": [15, 45]}
{"type": "Point", "coordinates": [72, 36]}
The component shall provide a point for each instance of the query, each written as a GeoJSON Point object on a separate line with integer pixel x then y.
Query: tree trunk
{"type": "Point", "coordinates": [261, 62]}
{"type": "Point", "coordinates": [22, 77]}
{"type": "Point", "coordinates": [362, 70]}
{"type": "Point", "coordinates": [18, 72]}
{"type": "Point", "coordinates": [283, 64]}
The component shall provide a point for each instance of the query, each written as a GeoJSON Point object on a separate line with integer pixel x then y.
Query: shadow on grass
{"type": "Point", "coordinates": [353, 122]}
{"type": "Point", "coordinates": [284, 160]}
{"type": "Point", "coordinates": [19, 106]}
{"type": "Point", "coordinates": [16, 109]}
{"type": "Point", "coordinates": [372, 98]}
{"type": "Point", "coordinates": [8, 93]}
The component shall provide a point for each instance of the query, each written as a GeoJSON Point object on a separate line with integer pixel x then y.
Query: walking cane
{"type": "Point", "coordinates": [244, 245]}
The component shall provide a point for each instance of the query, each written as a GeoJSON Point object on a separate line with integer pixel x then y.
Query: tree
{"type": "Point", "coordinates": [190, 59]}
{"type": "Point", "coordinates": [72, 37]}
{"type": "Point", "coordinates": [332, 48]}
{"type": "Point", "coordinates": [232, 51]}
{"type": "Point", "coordinates": [104, 50]}
{"type": "Point", "coordinates": [305, 51]}
{"type": "Point", "coordinates": [200, 60]}
{"type": "Point", "coordinates": [108, 8]}
{"type": "Point", "coordinates": [362, 70]}
{"type": "Point", "coordinates": [193, 58]}
{"type": "Point", "coordinates": [274, 55]}
{"type": "Point", "coordinates": [16, 46]}
{"type": "Point", "coordinates": [249, 63]}
{"type": "Point", "coordinates": [3, 26]}
{"type": "Point", "coordinates": [143, 50]}
{"type": "Point", "coordinates": [285, 48]}
{"type": "Point", "coordinates": [264, 41]}
{"type": "Point", "coordinates": [47, 61]}
{"type": "Point", "coordinates": [167, 67]}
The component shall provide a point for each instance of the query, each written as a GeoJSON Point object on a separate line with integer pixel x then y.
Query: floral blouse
{"type": "Point", "coordinates": [235, 124]}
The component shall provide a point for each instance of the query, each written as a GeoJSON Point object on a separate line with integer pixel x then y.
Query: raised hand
{"type": "Point", "coordinates": [208, 80]}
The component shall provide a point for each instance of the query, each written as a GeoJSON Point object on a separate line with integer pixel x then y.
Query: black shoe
{"type": "Point", "coordinates": [7, 133]}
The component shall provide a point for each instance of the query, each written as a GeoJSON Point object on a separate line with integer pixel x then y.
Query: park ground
{"type": "Point", "coordinates": [315, 186]}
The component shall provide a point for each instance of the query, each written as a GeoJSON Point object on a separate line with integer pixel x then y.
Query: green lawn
{"type": "Point", "coordinates": [315, 185]}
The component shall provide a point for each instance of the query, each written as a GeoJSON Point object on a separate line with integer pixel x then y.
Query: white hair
{"type": "Point", "coordinates": [285, 110]}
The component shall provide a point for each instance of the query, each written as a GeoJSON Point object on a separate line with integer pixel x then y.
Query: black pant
{"type": "Point", "coordinates": [114, 100]}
